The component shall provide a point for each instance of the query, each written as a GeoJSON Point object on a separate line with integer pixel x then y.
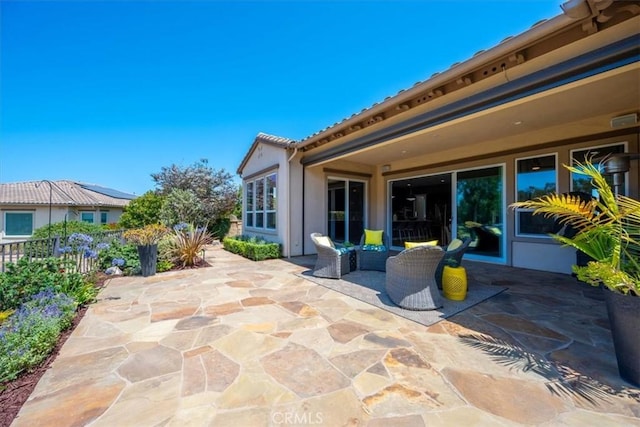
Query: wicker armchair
{"type": "Point", "coordinates": [373, 260]}
{"type": "Point", "coordinates": [411, 281]}
{"type": "Point", "coordinates": [456, 253]}
{"type": "Point", "coordinates": [331, 262]}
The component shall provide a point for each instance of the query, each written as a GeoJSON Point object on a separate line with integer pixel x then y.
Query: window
{"type": "Point", "coordinates": [581, 182]}
{"type": "Point", "coordinates": [18, 223]}
{"type": "Point", "coordinates": [536, 176]}
{"type": "Point", "coordinates": [87, 217]}
{"type": "Point", "coordinates": [249, 204]}
{"type": "Point", "coordinates": [480, 210]}
{"type": "Point", "coordinates": [261, 202]}
{"type": "Point", "coordinates": [104, 216]}
{"type": "Point", "coordinates": [271, 201]}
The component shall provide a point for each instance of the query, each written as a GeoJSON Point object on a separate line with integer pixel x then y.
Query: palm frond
{"type": "Point", "coordinates": [561, 380]}
{"type": "Point", "coordinates": [593, 171]}
{"type": "Point", "coordinates": [607, 229]}
{"type": "Point", "coordinates": [565, 208]}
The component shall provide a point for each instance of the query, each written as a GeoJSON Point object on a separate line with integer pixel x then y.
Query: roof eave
{"type": "Point", "coordinates": [537, 32]}
{"type": "Point", "coordinates": [262, 138]}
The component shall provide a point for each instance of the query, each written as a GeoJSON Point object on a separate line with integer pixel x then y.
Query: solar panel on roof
{"type": "Point", "coordinates": [107, 191]}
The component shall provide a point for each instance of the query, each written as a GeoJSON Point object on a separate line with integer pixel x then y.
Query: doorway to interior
{"type": "Point", "coordinates": [421, 209]}
{"type": "Point", "coordinates": [462, 203]}
{"type": "Point", "coordinates": [346, 210]}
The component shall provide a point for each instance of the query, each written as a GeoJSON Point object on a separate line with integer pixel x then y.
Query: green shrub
{"type": "Point", "coordinates": [58, 229]}
{"type": "Point", "coordinates": [126, 257]}
{"type": "Point", "coordinates": [25, 278]}
{"type": "Point", "coordinates": [166, 248]}
{"type": "Point", "coordinates": [29, 334]}
{"type": "Point", "coordinates": [220, 228]}
{"type": "Point", "coordinates": [141, 211]}
{"type": "Point", "coordinates": [128, 253]}
{"type": "Point", "coordinates": [163, 265]}
{"type": "Point", "coordinates": [252, 247]}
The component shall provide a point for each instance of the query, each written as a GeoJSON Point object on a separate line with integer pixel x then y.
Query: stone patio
{"type": "Point", "coordinates": [250, 344]}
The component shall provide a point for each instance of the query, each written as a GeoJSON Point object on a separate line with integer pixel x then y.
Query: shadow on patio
{"type": "Point", "coordinates": [545, 323]}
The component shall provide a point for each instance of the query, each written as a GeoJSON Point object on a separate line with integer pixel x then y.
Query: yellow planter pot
{"type": "Point", "coordinates": [454, 283]}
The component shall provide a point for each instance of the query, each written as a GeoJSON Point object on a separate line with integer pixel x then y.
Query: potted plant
{"type": "Point", "coordinates": [607, 229]}
{"type": "Point", "coordinates": [454, 280]}
{"type": "Point", "coordinates": [146, 238]}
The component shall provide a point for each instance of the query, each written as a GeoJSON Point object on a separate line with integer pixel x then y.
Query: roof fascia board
{"type": "Point", "coordinates": [255, 144]}
{"type": "Point", "coordinates": [606, 58]}
{"type": "Point", "coordinates": [514, 44]}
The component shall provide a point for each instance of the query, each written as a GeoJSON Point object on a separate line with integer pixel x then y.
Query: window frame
{"type": "Point", "coordinates": [625, 149]}
{"type": "Point", "coordinates": [267, 200]}
{"type": "Point", "coordinates": [104, 217]}
{"type": "Point", "coordinates": [32, 213]}
{"type": "Point", "coordinates": [270, 200]}
{"type": "Point", "coordinates": [249, 213]}
{"type": "Point", "coordinates": [518, 211]}
{"type": "Point", "coordinates": [93, 217]}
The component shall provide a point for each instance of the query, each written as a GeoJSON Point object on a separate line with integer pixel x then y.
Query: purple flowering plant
{"type": "Point", "coordinates": [31, 332]}
{"type": "Point", "coordinates": [81, 247]}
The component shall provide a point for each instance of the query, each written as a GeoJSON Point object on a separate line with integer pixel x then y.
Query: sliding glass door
{"type": "Point", "coordinates": [480, 210]}
{"type": "Point", "coordinates": [346, 210]}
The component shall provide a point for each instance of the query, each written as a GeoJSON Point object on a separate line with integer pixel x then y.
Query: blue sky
{"type": "Point", "coordinates": [110, 92]}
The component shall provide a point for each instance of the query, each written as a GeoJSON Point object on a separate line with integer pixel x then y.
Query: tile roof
{"type": "Point", "coordinates": [273, 139]}
{"type": "Point", "coordinates": [62, 193]}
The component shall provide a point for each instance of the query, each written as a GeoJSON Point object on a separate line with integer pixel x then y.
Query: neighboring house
{"type": "Point", "coordinates": [446, 157]}
{"type": "Point", "coordinates": [26, 206]}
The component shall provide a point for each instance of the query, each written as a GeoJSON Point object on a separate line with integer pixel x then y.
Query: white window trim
{"type": "Point", "coordinates": [517, 217]}
{"type": "Point", "coordinates": [266, 203]}
{"type": "Point", "coordinates": [254, 180]}
{"type": "Point", "coordinates": [33, 218]}
{"type": "Point", "coordinates": [253, 206]}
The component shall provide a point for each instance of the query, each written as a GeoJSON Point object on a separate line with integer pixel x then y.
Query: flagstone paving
{"type": "Point", "coordinates": [247, 343]}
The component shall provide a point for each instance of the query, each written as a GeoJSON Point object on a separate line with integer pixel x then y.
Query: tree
{"type": "Point", "coordinates": [141, 211]}
{"type": "Point", "coordinates": [182, 206]}
{"type": "Point", "coordinates": [215, 189]}
{"type": "Point", "coordinates": [237, 210]}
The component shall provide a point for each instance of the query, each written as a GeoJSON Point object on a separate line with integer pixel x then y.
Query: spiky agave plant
{"type": "Point", "coordinates": [189, 243]}
{"type": "Point", "coordinates": [607, 230]}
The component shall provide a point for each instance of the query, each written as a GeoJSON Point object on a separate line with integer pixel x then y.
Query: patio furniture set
{"type": "Point", "coordinates": [414, 277]}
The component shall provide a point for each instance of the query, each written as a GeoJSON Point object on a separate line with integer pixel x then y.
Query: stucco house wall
{"type": "Point", "coordinates": [269, 158]}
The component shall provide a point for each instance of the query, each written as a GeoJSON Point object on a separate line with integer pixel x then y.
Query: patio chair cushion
{"type": "Point", "coordinates": [324, 241]}
{"type": "Point", "coordinates": [342, 250]}
{"type": "Point", "coordinates": [373, 237]}
{"type": "Point", "coordinates": [409, 245]}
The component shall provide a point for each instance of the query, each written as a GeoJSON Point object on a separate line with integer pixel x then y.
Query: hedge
{"type": "Point", "coordinates": [252, 248]}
